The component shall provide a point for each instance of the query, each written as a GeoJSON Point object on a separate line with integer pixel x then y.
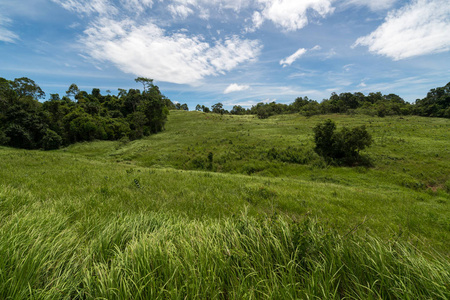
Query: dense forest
{"type": "Point", "coordinates": [435, 104]}
{"type": "Point", "coordinates": [25, 122]}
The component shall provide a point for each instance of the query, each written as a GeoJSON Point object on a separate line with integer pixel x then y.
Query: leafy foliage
{"type": "Point", "coordinates": [51, 140]}
{"type": "Point", "coordinates": [27, 123]}
{"type": "Point", "coordinates": [435, 104]}
{"type": "Point", "coordinates": [342, 146]}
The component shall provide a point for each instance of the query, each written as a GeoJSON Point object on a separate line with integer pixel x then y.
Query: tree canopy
{"type": "Point", "coordinates": [435, 104]}
{"type": "Point", "coordinates": [79, 116]}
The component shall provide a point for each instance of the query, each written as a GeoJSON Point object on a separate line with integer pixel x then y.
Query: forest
{"type": "Point", "coordinates": [435, 104]}
{"type": "Point", "coordinates": [26, 122]}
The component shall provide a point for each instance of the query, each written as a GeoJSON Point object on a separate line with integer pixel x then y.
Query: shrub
{"type": "Point", "coordinates": [51, 140]}
{"type": "Point", "coordinates": [19, 137]}
{"type": "Point", "coordinates": [342, 147]}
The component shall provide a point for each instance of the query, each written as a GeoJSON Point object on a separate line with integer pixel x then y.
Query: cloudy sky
{"type": "Point", "coordinates": [232, 51]}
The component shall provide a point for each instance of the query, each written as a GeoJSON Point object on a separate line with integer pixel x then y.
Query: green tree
{"type": "Point", "coordinates": [73, 91]}
{"type": "Point", "coordinates": [238, 110]}
{"type": "Point", "coordinates": [342, 147]}
{"type": "Point", "coordinates": [26, 87]}
{"type": "Point", "coordinates": [51, 140]}
{"type": "Point", "coordinates": [146, 82]}
{"type": "Point", "coordinates": [218, 108]}
{"type": "Point", "coordinates": [324, 138]}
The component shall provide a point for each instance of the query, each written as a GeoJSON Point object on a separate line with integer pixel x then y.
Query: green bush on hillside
{"type": "Point", "coordinates": [51, 140]}
{"type": "Point", "coordinates": [342, 146]}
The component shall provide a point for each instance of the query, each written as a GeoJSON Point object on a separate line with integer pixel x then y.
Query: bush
{"type": "Point", "coordinates": [342, 147]}
{"type": "Point", "coordinates": [51, 140]}
{"type": "Point", "coordinates": [18, 137]}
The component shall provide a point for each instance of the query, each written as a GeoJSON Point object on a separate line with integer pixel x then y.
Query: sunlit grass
{"type": "Point", "coordinates": [139, 220]}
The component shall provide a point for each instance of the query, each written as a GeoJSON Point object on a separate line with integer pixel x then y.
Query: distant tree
{"type": "Point", "coordinates": [435, 104]}
{"type": "Point", "coordinates": [238, 110]}
{"type": "Point", "coordinates": [96, 93]}
{"type": "Point", "coordinates": [263, 112]}
{"type": "Point", "coordinates": [184, 107]}
{"type": "Point", "coordinates": [73, 90]}
{"type": "Point", "coordinates": [54, 97]}
{"type": "Point", "coordinates": [218, 108]}
{"type": "Point", "coordinates": [26, 87]}
{"type": "Point", "coordinates": [298, 103]}
{"type": "Point", "coordinates": [198, 107]}
{"type": "Point", "coordinates": [146, 82]}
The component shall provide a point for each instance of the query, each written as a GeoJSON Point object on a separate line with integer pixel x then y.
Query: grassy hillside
{"type": "Point", "coordinates": [201, 210]}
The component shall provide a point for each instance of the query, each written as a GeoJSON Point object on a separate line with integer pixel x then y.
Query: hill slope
{"type": "Point", "coordinates": [78, 221]}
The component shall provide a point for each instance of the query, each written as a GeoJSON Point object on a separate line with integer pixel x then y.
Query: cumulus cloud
{"type": "Point", "coordinates": [290, 59]}
{"type": "Point", "coordinates": [5, 34]}
{"type": "Point", "coordinates": [294, 14]}
{"type": "Point", "coordinates": [234, 87]}
{"type": "Point", "coordinates": [419, 28]}
{"type": "Point", "coordinates": [147, 50]}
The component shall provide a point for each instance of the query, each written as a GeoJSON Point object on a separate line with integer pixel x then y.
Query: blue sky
{"type": "Point", "coordinates": [238, 52]}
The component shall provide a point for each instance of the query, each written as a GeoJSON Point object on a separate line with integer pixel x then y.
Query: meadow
{"type": "Point", "coordinates": [230, 207]}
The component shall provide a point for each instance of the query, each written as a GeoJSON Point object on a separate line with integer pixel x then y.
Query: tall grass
{"type": "Point", "coordinates": [108, 220]}
{"type": "Point", "coordinates": [157, 256]}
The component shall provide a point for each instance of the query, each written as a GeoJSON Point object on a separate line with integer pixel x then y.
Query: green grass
{"type": "Point", "coordinates": [154, 218]}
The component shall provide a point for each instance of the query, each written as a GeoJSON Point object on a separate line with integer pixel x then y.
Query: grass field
{"type": "Point", "coordinates": [202, 211]}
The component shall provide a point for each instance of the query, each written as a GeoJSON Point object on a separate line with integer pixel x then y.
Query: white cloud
{"type": "Point", "coordinates": [348, 67]}
{"type": "Point", "coordinates": [136, 5]}
{"type": "Point", "coordinates": [420, 28]}
{"type": "Point", "coordinates": [235, 5]}
{"type": "Point", "coordinates": [181, 11]}
{"type": "Point", "coordinates": [234, 87]}
{"type": "Point", "coordinates": [294, 14]}
{"type": "Point", "coordinates": [290, 59]}
{"type": "Point", "coordinates": [102, 7]}
{"type": "Point", "coordinates": [374, 5]}
{"type": "Point", "coordinates": [316, 48]}
{"type": "Point", "coordinates": [146, 50]}
{"type": "Point", "coordinates": [5, 34]}
{"type": "Point", "coordinates": [257, 21]}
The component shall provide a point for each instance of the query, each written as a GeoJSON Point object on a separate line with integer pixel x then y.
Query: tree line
{"type": "Point", "coordinates": [25, 122]}
{"type": "Point", "coordinates": [435, 104]}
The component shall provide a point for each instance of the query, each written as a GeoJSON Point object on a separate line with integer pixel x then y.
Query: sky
{"type": "Point", "coordinates": [237, 52]}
